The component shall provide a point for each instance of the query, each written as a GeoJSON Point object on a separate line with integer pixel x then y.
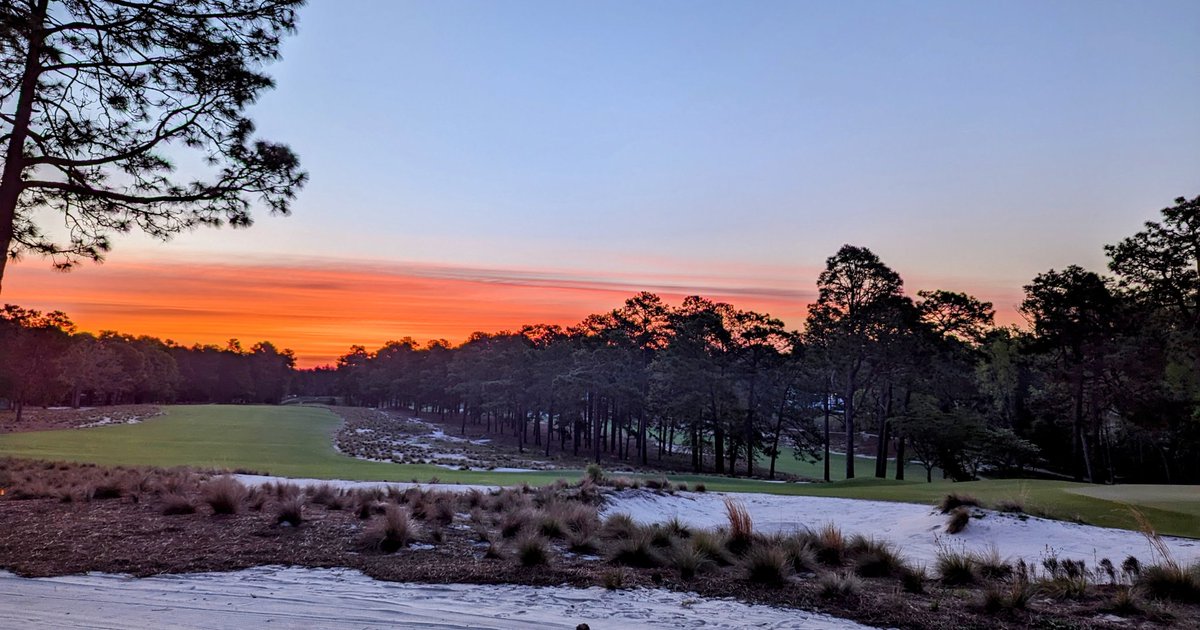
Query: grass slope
{"type": "Point", "coordinates": [296, 442]}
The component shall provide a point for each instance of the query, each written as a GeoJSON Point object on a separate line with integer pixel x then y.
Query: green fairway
{"type": "Point", "coordinates": [297, 442]}
{"type": "Point", "coordinates": [788, 464]}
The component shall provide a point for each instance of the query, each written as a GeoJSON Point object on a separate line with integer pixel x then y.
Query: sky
{"type": "Point", "coordinates": [480, 165]}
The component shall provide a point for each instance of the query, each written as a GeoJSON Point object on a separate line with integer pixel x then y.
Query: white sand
{"type": "Point", "coordinates": [916, 529]}
{"type": "Point", "coordinates": [277, 597]}
{"type": "Point", "coordinates": [259, 480]}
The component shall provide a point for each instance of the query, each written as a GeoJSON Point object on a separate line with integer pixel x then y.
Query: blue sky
{"type": "Point", "coordinates": [970, 144]}
{"type": "Point", "coordinates": [980, 139]}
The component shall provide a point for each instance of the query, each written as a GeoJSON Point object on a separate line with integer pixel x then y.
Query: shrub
{"type": "Point", "coordinates": [175, 504]}
{"type": "Point", "coordinates": [955, 568]}
{"type": "Point", "coordinates": [322, 494]}
{"type": "Point", "coordinates": [108, 489]}
{"type": "Point", "coordinates": [711, 545]}
{"type": "Point", "coordinates": [1131, 568]}
{"type": "Point", "coordinates": [801, 553]}
{"type": "Point", "coordinates": [990, 565]}
{"type": "Point", "coordinates": [839, 585]}
{"type": "Point", "coordinates": [618, 526]}
{"type": "Point", "coordinates": [636, 551]}
{"type": "Point", "coordinates": [473, 498]}
{"type": "Point", "coordinates": [392, 532]}
{"type": "Point", "coordinates": [689, 561]}
{"type": "Point", "coordinates": [594, 473]}
{"type": "Point", "coordinates": [533, 551]}
{"type": "Point", "coordinates": [700, 487]}
{"type": "Point", "coordinates": [741, 527]}
{"type": "Point", "coordinates": [677, 528]}
{"type": "Point", "coordinates": [658, 483]}
{"type": "Point", "coordinates": [958, 521]}
{"type": "Point", "coordinates": [912, 579]}
{"type": "Point", "coordinates": [992, 601]}
{"type": "Point", "coordinates": [579, 518]}
{"type": "Point", "coordinates": [955, 500]}
{"type": "Point", "coordinates": [224, 495]}
{"type": "Point", "coordinates": [1109, 570]}
{"type": "Point", "coordinates": [660, 536]}
{"type": "Point", "coordinates": [877, 559]}
{"type": "Point", "coordinates": [615, 579]}
{"type": "Point", "coordinates": [552, 526]}
{"type": "Point", "coordinates": [515, 522]}
{"type": "Point", "coordinates": [1010, 506]}
{"type": "Point", "coordinates": [1066, 587]}
{"type": "Point", "coordinates": [290, 511]}
{"type": "Point", "coordinates": [582, 542]}
{"type": "Point", "coordinates": [767, 564]}
{"type": "Point", "coordinates": [682, 486]}
{"type": "Point", "coordinates": [443, 512]}
{"type": "Point", "coordinates": [1020, 591]}
{"type": "Point", "coordinates": [366, 507]}
{"type": "Point", "coordinates": [1170, 580]}
{"type": "Point", "coordinates": [1124, 602]}
{"type": "Point", "coordinates": [831, 546]}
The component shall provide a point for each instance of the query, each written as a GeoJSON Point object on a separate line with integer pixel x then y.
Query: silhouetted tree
{"type": "Point", "coordinates": [101, 97]}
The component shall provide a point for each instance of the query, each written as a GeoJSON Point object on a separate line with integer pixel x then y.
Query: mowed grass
{"type": "Point", "coordinates": [296, 441]}
{"type": "Point", "coordinates": [787, 463]}
{"type": "Point", "coordinates": [290, 441]}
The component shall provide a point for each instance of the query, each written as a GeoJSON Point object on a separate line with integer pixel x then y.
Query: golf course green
{"type": "Point", "coordinates": [296, 441]}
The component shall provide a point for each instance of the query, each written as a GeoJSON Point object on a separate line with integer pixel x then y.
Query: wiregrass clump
{"type": "Point", "coordinates": [177, 504]}
{"type": "Point", "coordinates": [839, 585]}
{"type": "Point", "coordinates": [1168, 579]}
{"type": "Point", "coordinates": [955, 568]}
{"type": "Point", "coordinates": [767, 564]}
{"type": "Point", "coordinates": [224, 495]}
{"type": "Point", "coordinates": [533, 551]}
{"type": "Point", "coordinates": [391, 532]}
{"type": "Point", "coordinates": [290, 511]}
{"type": "Point", "coordinates": [636, 551]}
{"type": "Point", "coordinates": [960, 517]}
{"type": "Point", "coordinates": [956, 500]}
{"type": "Point", "coordinates": [741, 526]}
{"type": "Point", "coordinates": [876, 559]}
{"type": "Point", "coordinates": [689, 561]}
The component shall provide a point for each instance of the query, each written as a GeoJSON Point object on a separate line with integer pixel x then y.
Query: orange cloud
{"type": "Point", "coordinates": [319, 310]}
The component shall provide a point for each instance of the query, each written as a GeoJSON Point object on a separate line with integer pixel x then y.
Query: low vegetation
{"type": "Point", "coordinates": [555, 534]}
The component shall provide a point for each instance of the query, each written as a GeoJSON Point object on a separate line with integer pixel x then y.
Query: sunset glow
{"type": "Point", "coordinates": [319, 310]}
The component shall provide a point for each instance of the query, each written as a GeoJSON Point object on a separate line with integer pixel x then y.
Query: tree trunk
{"type": "Point", "coordinates": [828, 387]}
{"type": "Point", "coordinates": [848, 397]}
{"type": "Point", "coordinates": [11, 181]}
{"type": "Point", "coordinates": [719, 449]}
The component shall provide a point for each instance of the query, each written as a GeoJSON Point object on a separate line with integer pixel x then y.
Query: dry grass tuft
{"type": "Point", "coordinates": [175, 504]}
{"type": "Point", "coordinates": [956, 500]}
{"type": "Point", "coordinates": [224, 495]}
{"type": "Point", "coordinates": [767, 564]}
{"type": "Point", "coordinates": [533, 551]}
{"type": "Point", "coordinates": [392, 532]}
{"type": "Point", "coordinates": [839, 585]}
{"type": "Point", "coordinates": [960, 517]}
{"type": "Point", "coordinates": [290, 511]}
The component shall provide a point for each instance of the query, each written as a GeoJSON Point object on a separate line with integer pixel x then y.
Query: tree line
{"type": "Point", "coordinates": [45, 361]}
{"type": "Point", "coordinates": [1101, 385]}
